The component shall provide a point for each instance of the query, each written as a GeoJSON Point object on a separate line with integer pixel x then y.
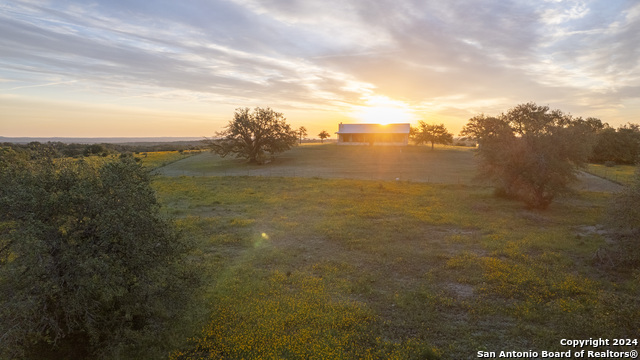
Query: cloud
{"type": "Point", "coordinates": [40, 85]}
{"type": "Point", "coordinates": [462, 56]}
{"type": "Point", "coordinates": [562, 13]}
{"type": "Point", "coordinates": [132, 54]}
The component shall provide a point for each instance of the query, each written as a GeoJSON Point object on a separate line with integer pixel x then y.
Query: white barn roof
{"type": "Point", "coordinates": [373, 129]}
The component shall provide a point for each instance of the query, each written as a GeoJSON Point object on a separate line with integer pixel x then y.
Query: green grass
{"type": "Point", "coordinates": [622, 174]}
{"type": "Point", "coordinates": [156, 159]}
{"type": "Point", "coordinates": [445, 164]}
{"type": "Point", "coordinates": [152, 159]}
{"type": "Point", "coordinates": [341, 269]}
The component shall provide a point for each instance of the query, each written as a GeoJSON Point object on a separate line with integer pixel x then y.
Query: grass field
{"type": "Point", "coordinates": [445, 165]}
{"type": "Point", "coordinates": [333, 161]}
{"type": "Point", "coordinates": [156, 159]}
{"type": "Point", "coordinates": [151, 160]}
{"type": "Point", "coordinates": [622, 174]}
{"type": "Point", "coordinates": [340, 269]}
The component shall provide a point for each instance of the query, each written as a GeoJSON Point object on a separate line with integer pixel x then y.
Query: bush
{"type": "Point", "coordinates": [88, 267]}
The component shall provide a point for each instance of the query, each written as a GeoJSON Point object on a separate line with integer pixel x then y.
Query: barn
{"type": "Point", "coordinates": [373, 134]}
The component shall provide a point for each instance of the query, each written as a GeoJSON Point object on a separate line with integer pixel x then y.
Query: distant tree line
{"type": "Point", "coordinates": [621, 145]}
{"type": "Point", "coordinates": [60, 149]}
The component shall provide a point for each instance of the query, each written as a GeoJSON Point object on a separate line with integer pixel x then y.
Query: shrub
{"type": "Point", "coordinates": [88, 267]}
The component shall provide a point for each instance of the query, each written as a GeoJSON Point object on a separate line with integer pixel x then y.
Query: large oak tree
{"type": "Point", "coordinates": [253, 135]}
{"type": "Point", "coordinates": [531, 153]}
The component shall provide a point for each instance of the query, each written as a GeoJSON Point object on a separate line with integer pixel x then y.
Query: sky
{"type": "Point", "coordinates": [180, 68]}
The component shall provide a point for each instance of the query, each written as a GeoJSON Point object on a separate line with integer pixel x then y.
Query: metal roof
{"type": "Point", "coordinates": [373, 129]}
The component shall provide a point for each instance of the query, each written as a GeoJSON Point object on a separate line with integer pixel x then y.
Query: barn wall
{"type": "Point", "coordinates": [376, 139]}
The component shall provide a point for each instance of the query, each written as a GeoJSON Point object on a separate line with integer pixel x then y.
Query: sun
{"type": "Point", "coordinates": [384, 115]}
{"type": "Point", "coordinates": [383, 110]}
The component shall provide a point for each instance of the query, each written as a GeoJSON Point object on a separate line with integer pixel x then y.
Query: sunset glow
{"type": "Point", "coordinates": [382, 110]}
{"type": "Point", "coordinates": [124, 68]}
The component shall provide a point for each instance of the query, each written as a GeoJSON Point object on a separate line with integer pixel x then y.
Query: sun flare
{"type": "Point", "coordinates": [383, 110]}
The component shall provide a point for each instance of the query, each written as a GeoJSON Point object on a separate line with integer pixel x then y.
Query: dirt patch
{"type": "Point", "coordinates": [589, 230]}
{"type": "Point", "coordinates": [588, 182]}
{"type": "Point", "coordinates": [535, 218]}
{"type": "Point", "coordinates": [461, 291]}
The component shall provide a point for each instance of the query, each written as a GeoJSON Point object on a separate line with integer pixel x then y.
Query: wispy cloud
{"type": "Point", "coordinates": [40, 85]}
{"type": "Point", "coordinates": [330, 55]}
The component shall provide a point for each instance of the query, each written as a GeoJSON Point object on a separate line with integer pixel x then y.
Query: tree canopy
{"type": "Point", "coordinates": [531, 153]}
{"type": "Point", "coordinates": [620, 145]}
{"type": "Point", "coordinates": [87, 264]}
{"type": "Point", "coordinates": [253, 135]}
{"type": "Point", "coordinates": [435, 134]}
{"type": "Point", "coordinates": [302, 132]}
{"type": "Point", "coordinates": [323, 135]}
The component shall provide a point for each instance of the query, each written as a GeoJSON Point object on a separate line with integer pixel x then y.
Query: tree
{"type": "Point", "coordinates": [621, 146]}
{"type": "Point", "coordinates": [531, 153]}
{"type": "Point", "coordinates": [431, 133]}
{"type": "Point", "coordinates": [486, 129]}
{"type": "Point", "coordinates": [251, 135]}
{"type": "Point", "coordinates": [412, 131]}
{"type": "Point", "coordinates": [94, 149]}
{"type": "Point", "coordinates": [302, 132]}
{"type": "Point", "coordinates": [88, 267]}
{"type": "Point", "coordinates": [323, 135]}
